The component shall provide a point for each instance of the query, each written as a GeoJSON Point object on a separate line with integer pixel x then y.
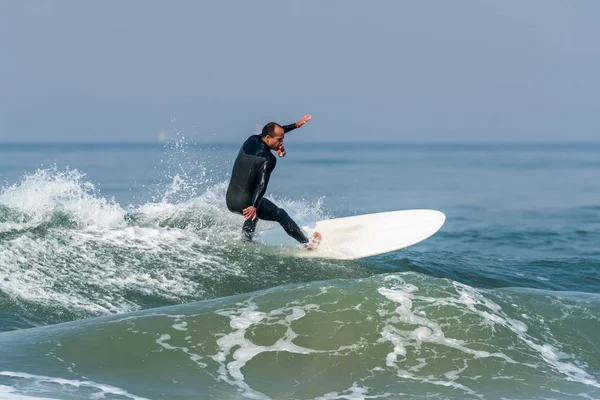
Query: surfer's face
{"type": "Point", "coordinates": [275, 141]}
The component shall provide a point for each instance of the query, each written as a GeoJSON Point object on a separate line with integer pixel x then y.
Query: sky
{"type": "Point", "coordinates": [383, 71]}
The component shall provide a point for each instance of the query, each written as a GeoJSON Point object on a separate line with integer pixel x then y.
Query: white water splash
{"type": "Point", "coordinates": [39, 195]}
{"type": "Point", "coordinates": [92, 264]}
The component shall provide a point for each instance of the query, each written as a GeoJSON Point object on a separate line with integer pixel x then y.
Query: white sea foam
{"type": "Point", "coordinates": [357, 392]}
{"type": "Point", "coordinates": [179, 324]}
{"type": "Point", "coordinates": [108, 262]}
{"type": "Point", "coordinates": [195, 358]}
{"type": "Point", "coordinates": [476, 302]}
{"type": "Point", "coordinates": [154, 249]}
{"type": "Point", "coordinates": [39, 195]}
{"type": "Point", "coordinates": [247, 316]}
{"type": "Point", "coordinates": [426, 331]}
{"type": "Point", "coordinates": [51, 384]}
{"type": "Point", "coordinates": [102, 252]}
{"type": "Point", "coordinates": [10, 393]}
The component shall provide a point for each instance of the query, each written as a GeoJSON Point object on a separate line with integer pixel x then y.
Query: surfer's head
{"type": "Point", "coordinates": [272, 135]}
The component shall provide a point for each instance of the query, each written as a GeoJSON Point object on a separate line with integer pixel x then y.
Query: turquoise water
{"type": "Point", "coordinates": [122, 275]}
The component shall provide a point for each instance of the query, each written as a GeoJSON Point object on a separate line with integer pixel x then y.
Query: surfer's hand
{"type": "Point", "coordinates": [304, 120]}
{"type": "Point", "coordinates": [250, 212]}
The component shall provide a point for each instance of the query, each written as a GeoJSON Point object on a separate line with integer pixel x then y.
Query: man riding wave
{"type": "Point", "coordinates": [249, 179]}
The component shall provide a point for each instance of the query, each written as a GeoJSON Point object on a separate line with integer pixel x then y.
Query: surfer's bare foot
{"type": "Point", "coordinates": [314, 241]}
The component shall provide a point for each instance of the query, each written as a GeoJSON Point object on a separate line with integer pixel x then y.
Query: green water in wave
{"type": "Point", "coordinates": [392, 336]}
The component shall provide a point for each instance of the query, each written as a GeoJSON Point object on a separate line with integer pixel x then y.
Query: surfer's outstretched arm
{"type": "Point", "coordinates": [291, 127]}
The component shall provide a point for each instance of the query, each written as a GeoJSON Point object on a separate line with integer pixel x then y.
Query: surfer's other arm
{"type": "Point", "coordinates": [291, 127]}
{"type": "Point", "coordinates": [264, 174]}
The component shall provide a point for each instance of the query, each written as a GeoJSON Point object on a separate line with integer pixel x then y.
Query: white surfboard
{"type": "Point", "coordinates": [367, 235]}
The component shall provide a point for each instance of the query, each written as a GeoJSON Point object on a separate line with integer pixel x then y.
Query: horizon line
{"type": "Point", "coordinates": [336, 142]}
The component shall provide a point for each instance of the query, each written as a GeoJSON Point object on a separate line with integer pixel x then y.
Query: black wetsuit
{"type": "Point", "coordinates": [249, 179]}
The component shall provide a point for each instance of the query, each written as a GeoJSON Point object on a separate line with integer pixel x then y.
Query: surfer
{"type": "Point", "coordinates": [249, 179]}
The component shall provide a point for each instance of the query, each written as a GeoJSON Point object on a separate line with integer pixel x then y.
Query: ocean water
{"type": "Point", "coordinates": [122, 275]}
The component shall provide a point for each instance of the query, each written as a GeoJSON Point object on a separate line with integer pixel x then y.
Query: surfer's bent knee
{"type": "Point", "coordinates": [282, 214]}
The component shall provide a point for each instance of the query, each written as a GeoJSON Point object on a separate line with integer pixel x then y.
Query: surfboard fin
{"type": "Point", "coordinates": [314, 241]}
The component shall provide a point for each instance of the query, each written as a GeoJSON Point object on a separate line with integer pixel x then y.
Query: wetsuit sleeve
{"type": "Point", "coordinates": [289, 127]}
{"type": "Point", "coordinates": [264, 173]}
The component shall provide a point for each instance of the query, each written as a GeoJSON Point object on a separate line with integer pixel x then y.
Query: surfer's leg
{"type": "Point", "coordinates": [270, 212]}
{"type": "Point", "coordinates": [248, 229]}
{"type": "Point", "coordinates": [237, 201]}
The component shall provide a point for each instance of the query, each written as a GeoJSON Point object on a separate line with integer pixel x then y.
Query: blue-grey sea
{"type": "Point", "coordinates": [122, 275]}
